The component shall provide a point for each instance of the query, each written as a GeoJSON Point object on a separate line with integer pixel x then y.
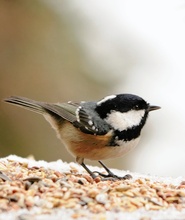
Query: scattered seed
{"type": "Point", "coordinates": [47, 189]}
{"type": "Point", "coordinates": [122, 188]}
{"type": "Point", "coordinates": [102, 198]}
{"type": "Point", "coordinates": [32, 179]}
{"type": "Point", "coordinates": [4, 177]}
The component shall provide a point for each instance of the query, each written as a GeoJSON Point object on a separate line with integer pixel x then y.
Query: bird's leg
{"type": "Point", "coordinates": [111, 174]}
{"type": "Point", "coordinates": [80, 161]}
{"type": "Point", "coordinates": [87, 169]}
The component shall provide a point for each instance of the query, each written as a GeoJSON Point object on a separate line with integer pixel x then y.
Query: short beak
{"type": "Point", "coordinates": [153, 107]}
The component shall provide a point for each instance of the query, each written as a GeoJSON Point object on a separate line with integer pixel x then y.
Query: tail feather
{"type": "Point", "coordinates": [26, 103]}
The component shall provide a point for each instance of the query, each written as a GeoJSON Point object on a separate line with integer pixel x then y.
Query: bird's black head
{"type": "Point", "coordinates": [125, 113]}
{"type": "Point", "coordinates": [120, 103]}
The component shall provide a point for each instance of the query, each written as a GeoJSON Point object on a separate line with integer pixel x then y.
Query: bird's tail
{"type": "Point", "coordinates": [26, 103]}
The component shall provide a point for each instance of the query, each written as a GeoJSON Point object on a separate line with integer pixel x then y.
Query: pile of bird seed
{"type": "Point", "coordinates": [24, 187]}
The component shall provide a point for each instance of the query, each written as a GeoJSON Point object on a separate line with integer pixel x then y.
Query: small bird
{"type": "Point", "coordinates": [99, 130]}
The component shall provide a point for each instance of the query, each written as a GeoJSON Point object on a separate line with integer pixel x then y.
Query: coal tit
{"type": "Point", "coordinates": [99, 130]}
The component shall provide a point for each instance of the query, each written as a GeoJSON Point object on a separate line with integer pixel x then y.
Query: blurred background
{"type": "Point", "coordinates": [84, 50]}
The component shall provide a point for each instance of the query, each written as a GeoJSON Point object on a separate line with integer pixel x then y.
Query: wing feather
{"type": "Point", "coordinates": [64, 110]}
{"type": "Point", "coordinates": [82, 115]}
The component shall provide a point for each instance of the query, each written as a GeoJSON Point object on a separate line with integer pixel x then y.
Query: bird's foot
{"type": "Point", "coordinates": [112, 176]}
{"type": "Point", "coordinates": [109, 176]}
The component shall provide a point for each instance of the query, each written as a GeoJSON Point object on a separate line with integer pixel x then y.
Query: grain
{"type": "Point", "coordinates": [24, 187]}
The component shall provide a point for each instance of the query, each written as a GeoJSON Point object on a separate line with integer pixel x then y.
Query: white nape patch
{"type": "Point", "coordinates": [106, 99]}
{"type": "Point", "coordinates": [124, 120]}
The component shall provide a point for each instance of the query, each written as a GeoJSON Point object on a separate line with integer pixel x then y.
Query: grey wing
{"type": "Point", "coordinates": [58, 110]}
{"type": "Point", "coordinates": [89, 121]}
{"type": "Point", "coordinates": [81, 115]}
{"type": "Point", "coordinates": [65, 110]}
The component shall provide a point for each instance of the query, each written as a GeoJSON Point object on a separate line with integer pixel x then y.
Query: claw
{"type": "Point", "coordinates": [112, 176]}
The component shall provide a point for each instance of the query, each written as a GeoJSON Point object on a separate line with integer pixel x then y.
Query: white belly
{"type": "Point", "coordinates": [109, 152]}
{"type": "Point", "coordinates": [124, 147]}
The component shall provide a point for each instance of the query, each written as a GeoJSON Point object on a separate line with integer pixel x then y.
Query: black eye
{"type": "Point", "coordinates": [136, 107]}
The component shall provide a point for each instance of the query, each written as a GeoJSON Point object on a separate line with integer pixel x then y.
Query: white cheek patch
{"type": "Point", "coordinates": [124, 120]}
